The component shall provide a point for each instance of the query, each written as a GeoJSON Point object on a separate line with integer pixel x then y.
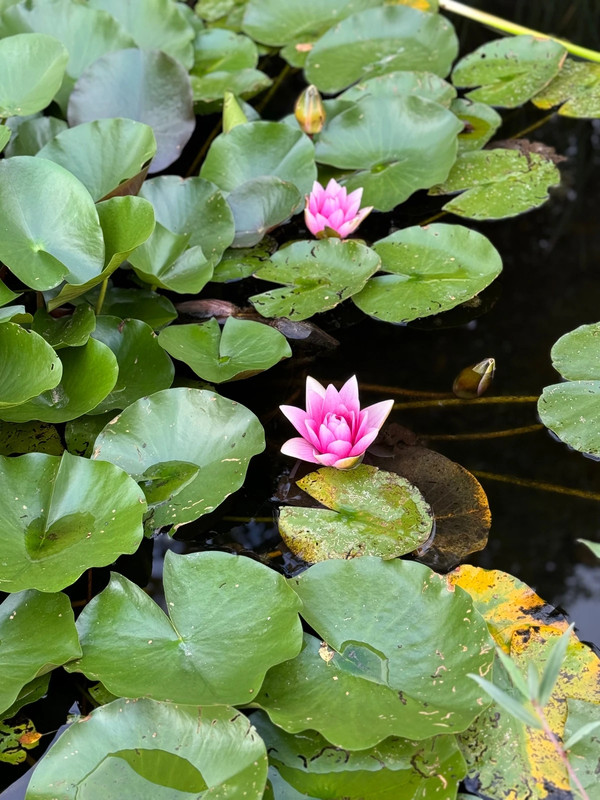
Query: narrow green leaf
{"type": "Point", "coordinates": [514, 672]}
{"type": "Point", "coordinates": [507, 702]}
{"type": "Point", "coordinates": [553, 665]}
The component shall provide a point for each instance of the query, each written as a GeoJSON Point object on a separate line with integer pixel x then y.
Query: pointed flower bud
{"type": "Point", "coordinates": [330, 211]}
{"type": "Point", "coordinates": [232, 112]}
{"type": "Point", "coordinates": [334, 431]}
{"type": "Point", "coordinates": [309, 110]}
{"type": "Point", "coordinates": [473, 381]}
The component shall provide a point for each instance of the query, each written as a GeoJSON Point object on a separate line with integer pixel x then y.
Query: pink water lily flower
{"type": "Point", "coordinates": [333, 430]}
{"type": "Point", "coordinates": [330, 211]}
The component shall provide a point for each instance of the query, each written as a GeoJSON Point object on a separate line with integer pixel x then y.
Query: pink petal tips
{"type": "Point", "coordinates": [330, 211]}
{"type": "Point", "coordinates": [334, 431]}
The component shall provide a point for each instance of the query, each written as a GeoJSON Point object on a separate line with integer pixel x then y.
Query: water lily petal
{"type": "Point", "coordinates": [314, 399]}
{"type": "Point", "coordinates": [347, 463]}
{"type": "Point", "coordinates": [341, 448]}
{"type": "Point", "coordinates": [349, 395]}
{"type": "Point", "coordinates": [326, 436]}
{"type": "Point", "coordinates": [299, 448]}
{"type": "Point", "coordinates": [311, 222]}
{"type": "Point", "coordinates": [378, 412]}
{"type": "Point", "coordinates": [364, 442]}
{"type": "Point", "coordinates": [297, 416]}
{"type": "Point", "coordinates": [331, 400]}
{"type": "Point", "coordinates": [312, 434]}
{"type": "Point", "coordinates": [336, 219]}
{"type": "Point", "coordinates": [326, 459]}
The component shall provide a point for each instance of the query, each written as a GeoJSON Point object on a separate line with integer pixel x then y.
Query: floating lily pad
{"type": "Point", "coordinates": [32, 66]}
{"type": "Point", "coordinates": [33, 134]}
{"type": "Point", "coordinates": [571, 409]}
{"type": "Point", "coordinates": [260, 205]}
{"type": "Point", "coordinates": [213, 648]}
{"type": "Point", "coordinates": [318, 274]}
{"type": "Point", "coordinates": [509, 71]}
{"type": "Point", "coordinates": [379, 674]}
{"type": "Point", "coordinates": [277, 150]}
{"type": "Point", "coordinates": [89, 373]}
{"type": "Point", "coordinates": [576, 89]}
{"type": "Point", "coordinates": [241, 350]}
{"type": "Point", "coordinates": [150, 307]}
{"type": "Point", "coordinates": [162, 481]}
{"type": "Point", "coordinates": [103, 153]}
{"type": "Point", "coordinates": [374, 513]}
{"type": "Point", "coordinates": [32, 691]}
{"type": "Point", "coordinates": [62, 243]}
{"type": "Point", "coordinates": [144, 367]}
{"type": "Point", "coordinates": [220, 50]}
{"type": "Point", "coordinates": [209, 89]}
{"type": "Point", "coordinates": [154, 25]}
{"type": "Point", "coordinates": [397, 144]}
{"type": "Point", "coordinates": [38, 634]}
{"type": "Point", "coordinates": [395, 768]}
{"type": "Point", "coordinates": [480, 123]}
{"type": "Point", "coordinates": [380, 40]}
{"type": "Point", "coordinates": [25, 353]}
{"type": "Point", "coordinates": [429, 269]}
{"type": "Point", "coordinates": [62, 516]}
{"type": "Point", "coordinates": [144, 749]}
{"type": "Point", "coordinates": [5, 134]}
{"type": "Point", "coordinates": [394, 84]}
{"type": "Point", "coordinates": [191, 425]}
{"type": "Point", "coordinates": [498, 183]}
{"type": "Point", "coordinates": [147, 86]}
{"type": "Point", "coordinates": [240, 262]}
{"type": "Point", "coordinates": [73, 330]}
{"type": "Point", "coordinates": [80, 433]}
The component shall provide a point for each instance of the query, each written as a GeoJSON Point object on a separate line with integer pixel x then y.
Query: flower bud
{"type": "Point", "coordinates": [473, 381]}
{"type": "Point", "coordinates": [232, 112]}
{"type": "Point", "coordinates": [309, 110]}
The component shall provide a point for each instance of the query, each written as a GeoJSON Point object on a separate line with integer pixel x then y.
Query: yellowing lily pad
{"type": "Point", "coordinates": [576, 89]}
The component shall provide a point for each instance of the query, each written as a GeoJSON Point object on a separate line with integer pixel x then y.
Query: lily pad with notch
{"type": "Point", "coordinates": [32, 66]}
{"type": "Point", "coordinates": [394, 84]}
{"type": "Point", "coordinates": [261, 204]}
{"type": "Point", "coordinates": [480, 123]}
{"type": "Point", "coordinates": [576, 89]}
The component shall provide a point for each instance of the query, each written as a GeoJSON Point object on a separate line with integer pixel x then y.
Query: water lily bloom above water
{"type": "Point", "coordinates": [331, 211]}
{"type": "Point", "coordinates": [334, 431]}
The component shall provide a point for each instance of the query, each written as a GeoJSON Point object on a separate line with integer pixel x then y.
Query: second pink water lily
{"type": "Point", "coordinates": [331, 211]}
{"type": "Point", "coordinates": [334, 431]}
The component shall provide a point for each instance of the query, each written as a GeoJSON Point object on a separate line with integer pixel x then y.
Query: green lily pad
{"type": "Point", "coordinates": [209, 89]}
{"type": "Point", "coordinates": [395, 768]}
{"type": "Point", "coordinates": [89, 372]}
{"type": "Point", "coordinates": [571, 409]}
{"type": "Point", "coordinates": [480, 123]}
{"type": "Point", "coordinates": [375, 513]}
{"type": "Point", "coordinates": [241, 262]}
{"type": "Point", "coordinates": [5, 134]}
{"type": "Point", "coordinates": [103, 153]}
{"type": "Point", "coordinates": [244, 348]}
{"type": "Point", "coordinates": [24, 353]}
{"type": "Point", "coordinates": [179, 204]}
{"type": "Point", "coordinates": [272, 23]}
{"type": "Point", "coordinates": [319, 275]}
{"type": "Point", "coordinates": [147, 86]}
{"type": "Point", "coordinates": [397, 144]}
{"type": "Point", "coordinates": [429, 269]}
{"type": "Point", "coordinates": [220, 50]}
{"type": "Point", "coordinates": [29, 437]}
{"type": "Point", "coordinates": [32, 66]}
{"type": "Point", "coordinates": [509, 71]}
{"type": "Point", "coordinates": [154, 25]}
{"type": "Point", "coordinates": [46, 243]}
{"type": "Point", "coordinates": [393, 84]}
{"type": "Point", "coordinates": [32, 691]}
{"type": "Point", "coordinates": [380, 40]}
{"type": "Point", "coordinates": [38, 634]}
{"type": "Point", "coordinates": [261, 204]}
{"type": "Point", "coordinates": [143, 749]}
{"type": "Point", "coordinates": [162, 481]}
{"type": "Point", "coordinates": [70, 331]}
{"type": "Point", "coordinates": [126, 224]}
{"type": "Point", "coordinates": [277, 149]}
{"type": "Point", "coordinates": [33, 134]}
{"type": "Point", "coordinates": [80, 433]}
{"type": "Point", "coordinates": [593, 546]}
{"type": "Point", "coordinates": [380, 674]}
{"type": "Point", "coordinates": [152, 308]}
{"type": "Point", "coordinates": [498, 183]}
{"type": "Point", "coordinates": [62, 516]}
{"type": "Point", "coordinates": [214, 647]}
{"type": "Point", "coordinates": [191, 425]}
{"type": "Point", "coordinates": [576, 89]}
{"type": "Point", "coordinates": [144, 367]}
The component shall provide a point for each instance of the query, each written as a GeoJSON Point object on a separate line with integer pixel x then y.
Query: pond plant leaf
{"type": "Point", "coordinates": [368, 512]}
{"type": "Point", "coordinates": [261, 204]}
{"type": "Point", "coordinates": [240, 262]}
{"type": "Point", "coordinates": [80, 433]}
{"type": "Point", "coordinates": [146, 86]}
{"type": "Point", "coordinates": [89, 373]}
{"type": "Point", "coordinates": [393, 84]}
{"type": "Point", "coordinates": [498, 183]}
{"type": "Point", "coordinates": [242, 349]}
{"type": "Point", "coordinates": [144, 367]}
{"type": "Point", "coordinates": [154, 309]}
{"type": "Point", "coordinates": [38, 634]}
{"type": "Point", "coordinates": [62, 516]}
{"type": "Point", "coordinates": [192, 425]}
{"type": "Point", "coordinates": [480, 123]}
{"type": "Point", "coordinates": [32, 134]}
{"type": "Point", "coordinates": [209, 89]}
{"type": "Point", "coordinates": [32, 691]}
{"type": "Point", "coordinates": [379, 40]}
{"type": "Point", "coordinates": [63, 243]}
{"type": "Point", "coordinates": [214, 647]}
{"type": "Point", "coordinates": [221, 50]}
{"type": "Point", "coordinates": [397, 144]}
{"type": "Point", "coordinates": [576, 89]}
{"type": "Point", "coordinates": [570, 409]}
{"type": "Point", "coordinates": [403, 669]}
{"type": "Point", "coordinates": [25, 352]}
{"type": "Point", "coordinates": [32, 66]}
{"type": "Point", "coordinates": [277, 150]}
{"type": "Point", "coordinates": [162, 481]}
{"type": "Point", "coordinates": [103, 153]}
{"type": "Point", "coordinates": [428, 269]}
{"type": "Point", "coordinates": [318, 276]}
{"type": "Point", "coordinates": [395, 767]}
{"type": "Point", "coordinates": [593, 546]}
{"type": "Point", "coordinates": [509, 71]}
{"type": "Point", "coordinates": [583, 753]}
{"type": "Point", "coordinates": [29, 437]}
{"type": "Point", "coordinates": [141, 749]}
{"type": "Point", "coordinates": [73, 330]}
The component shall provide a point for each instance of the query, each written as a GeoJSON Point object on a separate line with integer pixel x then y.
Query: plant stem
{"type": "Point", "coordinates": [204, 149]}
{"type": "Point", "coordinates": [534, 126]}
{"type": "Point", "coordinates": [455, 401]}
{"type": "Point", "coordinates": [274, 87]}
{"type": "Point", "coordinates": [375, 387]}
{"type": "Point", "coordinates": [460, 437]}
{"type": "Point", "coordinates": [559, 749]}
{"type": "Point", "coordinates": [527, 483]}
{"type": "Point", "coordinates": [511, 27]}
{"type": "Point", "coordinates": [101, 296]}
